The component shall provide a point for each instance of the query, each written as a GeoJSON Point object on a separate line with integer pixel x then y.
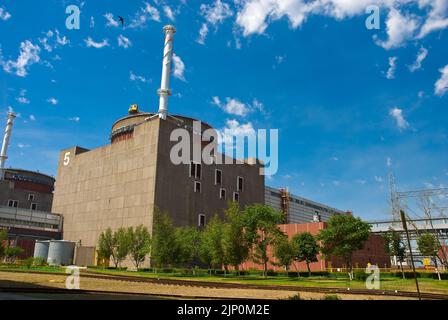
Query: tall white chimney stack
{"type": "Point", "coordinates": [164, 90]}
{"type": "Point", "coordinates": [3, 152]}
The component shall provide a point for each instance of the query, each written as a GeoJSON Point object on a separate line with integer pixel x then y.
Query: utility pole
{"type": "Point", "coordinates": [405, 227]}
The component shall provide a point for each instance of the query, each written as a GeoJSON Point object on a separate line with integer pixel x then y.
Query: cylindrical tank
{"type": "Point", "coordinates": [41, 249]}
{"type": "Point", "coordinates": [60, 252]}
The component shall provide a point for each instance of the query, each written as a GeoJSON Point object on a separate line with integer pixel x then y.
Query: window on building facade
{"type": "Point", "coordinates": [31, 197]}
{"type": "Point", "coordinates": [222, 194]}
{"type": "Point", "coordinates": [13, 203]}
{"type": "Point", "coordinates": [34, 206]}
{"type": "Point", "coordinates": [236, 197]}
{"type": "Point", "coordinates": [218, 177]}
{"type": "Point", "coordinates": [201, 220]}
{"type": "Point", "coordinates": [197, 187]}
{"type": "Point", "coordinates": [240, 183]}
{"type": "Point", "coordinates": [195, 170]}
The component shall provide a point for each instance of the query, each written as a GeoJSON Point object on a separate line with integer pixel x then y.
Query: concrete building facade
{"type": "Point", "coordinates": [121, 184]}
{"type": "Point", "coordinates": [298, 209]}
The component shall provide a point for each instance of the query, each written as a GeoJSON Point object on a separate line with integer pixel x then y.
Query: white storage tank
{"type": "Point", "coordinates": [60, 252]}
{"type": "Point", "coordinates": [41, 249]}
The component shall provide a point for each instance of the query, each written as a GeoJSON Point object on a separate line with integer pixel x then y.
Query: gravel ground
{"type": "Point", "coordinates": [58, 281]}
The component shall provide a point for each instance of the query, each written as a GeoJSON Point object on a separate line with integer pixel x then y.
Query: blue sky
{"type": "Point", "coordinates": [351, 104]}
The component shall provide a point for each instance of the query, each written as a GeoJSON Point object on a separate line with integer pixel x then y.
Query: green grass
{"type": "Point", "coordinates": [388, 282]}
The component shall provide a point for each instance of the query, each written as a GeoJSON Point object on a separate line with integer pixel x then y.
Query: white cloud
{"type": "Point", "coordinates": [437, 17]}
{"type": "Point", "coordinates": [144, 14]}
{"type": "Point", "coordinates": [168, 12]}
{"type": "Point", "coordinates": [441, 85]}
{"type": "Point", "coordinates": [334, 158]}
{"type": "Point", "coordinates": [4, 15]}
{"type": "Point", "coordinates": [22, 97]}
{"type": "Point", "coordinates": [98, 45]}
{"type": "Point", "coordinates": [235, 107]}
{"type": "Point", "coordinates": [378, 179]}
{"type": "Point", "coordinates": [123, 41]}
{"type": "Point", "coordinates": [92, 22]}
{"type": "Point", "coordinates": [388, 162]}
{"type": "Point", "coordinates": [49, 42]}
{"type": "Point", "coordinates": [134, 77]}
{"type": "Point", "coordinates": [392, 67]}
{"type": "Point", "coordinates": [397, 114]}
{"type": "Point", "coordinates": [361, 181]}
{"type": "Point", "coordinates": [61, 40]}
{"type": "Point", "coordinates": [400, 28]}
{"type": "Point", "coordinates": [29, 55]}
{"type": "Point", "coordinates": [422, 54]}
{"type": "Point", "coordinates": [74, 119]}
{"type": "Point", "coordinates": [214, 15]}
{"type": "Point", "coordinates": [111, 22]}
{"type": "Point", "coordinates": [178, 67]}
{"type": "Point", "coordinates": [32, 117]}
{"type": "Point", "coordinates": [234, 129]}
{"type": "Point", "coordinates": [52, 101]}
{"type": "Point", "coordinates": [22, 145]}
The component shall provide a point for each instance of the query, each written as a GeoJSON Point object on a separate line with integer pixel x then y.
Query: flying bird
{"type": "Point", "coordinates": [121, 19]}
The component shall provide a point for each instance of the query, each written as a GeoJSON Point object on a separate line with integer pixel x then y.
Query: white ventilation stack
{"type": "Point", "coordinates": [3, 152]}
{"type": "Point", "coordinates": [164, 90]}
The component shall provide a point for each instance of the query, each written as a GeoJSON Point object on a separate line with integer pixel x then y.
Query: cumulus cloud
{"type": "Point", "coordinates": [52, 40]}
{"type": "Point", "coordinates": [22, 97]}
{"type": "Point", "coordinates": [52, 101]}
{"type": "Point", "coordinates": [390, 74]}
{"type": "Point", "coordinates": [169, 13]}
{"type": "Point", "coordinates": [74, 119]}
{"type": "Point", "coordinates": [32, 117]}
{"type": "Point", "coordinates": [214, 14]}
{"type": "Point", "coordinates": [397, 114]}
{"type": "Point", "coordinates": [400, 28]}
{"type": "Point", "coordinates": [29, 55]}
{"type": "Point", "coordinates": [144, 14]}
{"type": "Point", "coordinates": [98, 45]}
{"type": "Point", "coordinates": [235, 107]}
{"type": "Point", "coordinates": [422, 54]}
{"type": "Point", "coordinates": [254, 16]}
{"type": "Point", "coordinates": [110, 21]}
{"type": "Point", "coordinates": [178, 67]}
{"type": "Point", "coordinates": [235, 129]}
{"type": "Point", "coordinates": [123, 41]}
{"type": "Point", "coordinates": [134, 77]}
{"type": "Point", "coordinates": [4, 15]}
{"type": "Point", "coordinates": [441, 85]}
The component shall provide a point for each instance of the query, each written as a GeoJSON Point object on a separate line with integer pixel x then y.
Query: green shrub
{"type": "Point", "coordinates": [28, 262]}
{"type": "Point", "coordinates": [331, 297]}
{"type": "Point", "coordinates": [360, 275]}
{"type": "Point", "coordinates": [39, 262]}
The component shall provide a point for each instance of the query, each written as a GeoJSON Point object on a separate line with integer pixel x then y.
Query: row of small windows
{"type": "Point", "coordinates": [222, 192]}
{"type": "Point", "coordinates": [15, 204]}
{"type": "Point", "coordinates": [196, 172]}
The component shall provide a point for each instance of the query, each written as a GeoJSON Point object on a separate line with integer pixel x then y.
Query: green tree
{"type": "Point", "coordinates": [211, 250]}
{"type": "Point", "coordinates": [106, 244]}
{"type": "Point", "coordinates": [428, 246]}
{"type": "Point", "coordinates": [164, 245]}
{"type": "Point", "coordinates": [283, 251]}
{"type": "Point", "coordinates": [139, 244]}
{"type": "Point", "coordinates": [344, 235]}
{"type": "Point", "coordinates": [260, 226]}
{"type": "Point", "coordinates": [11, 254]}
{"type": "Point", "coordinates": [188, 243]}
{"type": "Point", "coordinates": [395, 246]}
{"type": "Point", "coordinates": [235, 247]}
{"type": "Point", "coordinates": [120, 246]}
{"type": "Point", "coordinates": [305, 248]}
{"type": "Point", "coordinates": [3, 237]}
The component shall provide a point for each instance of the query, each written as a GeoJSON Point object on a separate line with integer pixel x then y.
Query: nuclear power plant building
{"type": "Point", "coordinates": [120, 184]}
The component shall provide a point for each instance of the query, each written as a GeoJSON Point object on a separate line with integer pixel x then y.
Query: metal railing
{"type": "Point", "coordinates": [26, 218]}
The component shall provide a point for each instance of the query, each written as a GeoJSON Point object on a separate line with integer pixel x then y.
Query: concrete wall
{"type": "Point", "coordinates": [175, 187]}
{"type": "Point", "coordinates": [111, 186]}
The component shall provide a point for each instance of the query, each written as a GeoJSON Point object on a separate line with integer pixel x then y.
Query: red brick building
{"type": "Point", "coordinates": [373, 252]}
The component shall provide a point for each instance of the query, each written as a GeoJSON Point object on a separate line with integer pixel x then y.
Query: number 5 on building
{"type": "Point", "coordinates": [66, 158]}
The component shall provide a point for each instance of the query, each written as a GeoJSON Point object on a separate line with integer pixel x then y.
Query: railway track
{"type": "Point", "coordinates": [230, 285]}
